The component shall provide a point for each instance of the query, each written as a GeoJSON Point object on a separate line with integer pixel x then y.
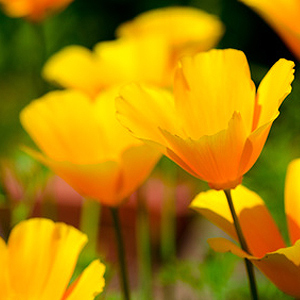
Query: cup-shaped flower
{"type": "Point", "coordinates": [215, 125]}
{"type": "Point", "coordinates": [33, 10]}
{"type": "Point", "coordinates": [147, 56]}
{"type": "Point", "coordinates": [39, 260]}
{"type": "Point", "coordinates": [283, 17]}
{"type": "Point", "coordinates": [84, 144]}
{"type": "Point", "coordinates": [268, 251]}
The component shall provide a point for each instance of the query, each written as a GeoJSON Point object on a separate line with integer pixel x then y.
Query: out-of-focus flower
{"type": "Point", "coordinates": [281, 264]}
{"type": "Point", "coordinates": [283, 16]}
{"type": "Point", "coordinates": [185, 31]}
{"type": "Point", "coordinates": [111, 63]}
{"type": "Point", "coordinates": [39, 260]}
{"type": "Point", "coordinates": [148, 55]}
{"type": "Point", "coordinates": [33, 10]}
{"type": "Point", "coordinates": [215, 125]}
{"type": "Point", "coordinates": [84, 144]}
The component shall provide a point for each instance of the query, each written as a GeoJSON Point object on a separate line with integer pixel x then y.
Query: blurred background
{"type": "Point", "coordinates": [87, 22]}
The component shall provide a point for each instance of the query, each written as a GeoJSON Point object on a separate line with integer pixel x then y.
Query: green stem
{"type": "Point", "coordinates": [244, 246]}
{"type": "Point", "coordinates": [168, 221]}
{"type": "Point", "coordinates": [121, 253]}
{"type": "Point", "coordinates": [90, 224]}
{"type": "Point", "coordinates": [144, 248]}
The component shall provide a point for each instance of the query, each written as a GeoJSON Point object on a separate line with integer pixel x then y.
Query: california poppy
{"type": "Point", "coordinates": [38, 262]}
{"type": "Point", "coordinates": [215, 124]}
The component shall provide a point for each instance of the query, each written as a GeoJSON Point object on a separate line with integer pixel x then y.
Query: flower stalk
{"type": "Point", "coordinates": [121, 254]}
{"type": "Point", "coordinates": [244, 246]}
{"type": "Point", "coordinates": [144, 248]}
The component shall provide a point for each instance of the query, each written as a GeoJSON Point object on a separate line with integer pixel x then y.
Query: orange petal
{"type": "Point", "coordinates": [98, 181]}
{"type": "Point", "coordinates": [259, 229]}
{"type": "Point", "coordinates": [282, 267]}
{"type": "Point", "coordinates": [253, 147]}
{"type": "Point", "coordinates": [137, 163]}
{"type": "Point", "coordinates": [213, 158]}
{"type": "Point", "coordinates": [273, 89]}
{"type": "Point", "coordinates": [283, 16]}
{"type": "Point", "coordinates": [292, 199]}
{"type": "Point", "coordinates": [209, 87]}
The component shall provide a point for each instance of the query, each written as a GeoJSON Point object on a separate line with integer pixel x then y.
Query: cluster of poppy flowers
{"type": "Point", "coordinates": [121, 110]}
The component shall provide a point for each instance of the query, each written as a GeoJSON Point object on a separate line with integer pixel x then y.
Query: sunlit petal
{"type": "Point", "coordinates": [259, 229]}
{"type": "Point", "coordinates": [89, 284]}
{"type": "Point", "coordinates": [209, 87]}
{"type": "Point", "coordinates": [292, 200]}
{"type": "Point", "coordinates": [283, 16]}
{"type": "Point", "coordinates": [273, 89]}
{"type": "Point", "coordinates": [282, 267]}
{"type": "Point", "coordinates": [43, 255]}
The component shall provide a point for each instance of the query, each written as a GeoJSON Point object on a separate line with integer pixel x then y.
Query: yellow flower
{"type": "Point", "coordinates": [38, 262]}
{"type": "Point", "coordinates": [147, 55]}
{"type": "Point", "coordinates": [283, 16]}
{"type": "Point", "coordinates": [185, 30]}
{"type": "Point", "coordinates": [215, 125]}
{"type": "Point", "coordinates": [281, 264]}
{"type": "Point", "coordinates": [33, 10]}
{"type": "Point", "coordinates": [84, 144]}
{"type": "Point", "coordinates": [111, 63]}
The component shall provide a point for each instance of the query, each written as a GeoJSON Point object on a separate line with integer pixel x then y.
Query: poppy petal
{"type": "Point", "coordinates": [259, 228]}
{"type": "Point", "coordinates": [291, 199]}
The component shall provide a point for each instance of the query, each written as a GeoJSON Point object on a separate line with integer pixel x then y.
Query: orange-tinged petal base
{"type": "Point", "coordinates": [258, 227]}
{"type": "Point", "coordinates": [282, 267]}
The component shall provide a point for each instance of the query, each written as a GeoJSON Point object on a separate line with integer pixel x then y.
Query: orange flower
{"type": "Point", "coordinates": [215, 125]}
{"type": "Point", "coordinates": [147, 56]}
{"type": "Point", "coordinates": [33, 10]}
{"type": "Point", "coordinates": [85, 145]}
{"type": "Point", "coordinates": [283, 16]}
{"type": "Point", "coordinates": [39, 260]}
{"type": "Point", "coordinates": [281, 264]}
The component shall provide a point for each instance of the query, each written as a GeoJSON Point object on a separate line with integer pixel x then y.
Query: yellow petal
{"type": "Point", "coordinates": [143, 110]}
{"type": "Point", "coordinates": [125, 60]}
{"type": "Point", "coordinates": [283, 16]}
{"type": "Point", "coordinates": [215, 158]}
{"type": "Point", "coordinates": [180, 26]}
{"type": "Point", "coordinates": [75, 67]}
{"type": "Point", "coordinates": [89, 284]}
{"type": "Point", "coordinates": [97, 181]}
{"type": "Point", "coordinates": [292, 199]}
{"type": "Point", "coordinates": [137, 164]}
{"type": "Point", "coordinates": [209, 87]}
{"type": "Point", "coordinates": [5, 287]}
{"type": "Point", "coordinates": [64, 126]}
{"type": "Point", "coordinates": [273, 89]}
{"type": "Point", "coordinates": [259, 229]}
{"type": "Point", "coordinates": [282, 267]}
{"type": "Point", "coordinates": [42, 258]}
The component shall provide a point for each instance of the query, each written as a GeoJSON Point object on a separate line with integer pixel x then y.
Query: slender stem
{"type": "Point", "coordinates": [244, 246]}
{"type": "Point", "coordinates": [121, 253]}
{"type": "Point", "coordinates": [168, 221]}
{"type": "Point", "coordinates": [144, 248]}
{"type": "Point", "coordinates": [90, 224]}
